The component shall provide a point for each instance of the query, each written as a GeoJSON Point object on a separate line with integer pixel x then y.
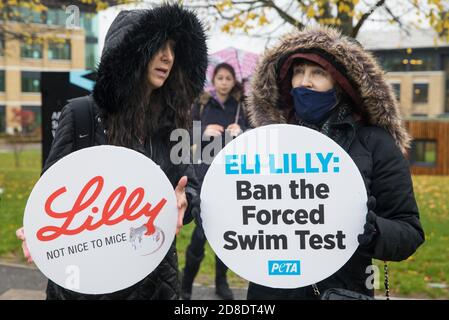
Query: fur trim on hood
{"type": "Point", "coordinates": [265, 105]}
{"type": "Point", "coordinates": [132, 40]}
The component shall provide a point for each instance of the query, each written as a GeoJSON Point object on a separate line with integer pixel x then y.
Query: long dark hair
{"type": "Point", "coordinates": [238, 87]}
{"type": "Point", "coordinates": [148, 113]}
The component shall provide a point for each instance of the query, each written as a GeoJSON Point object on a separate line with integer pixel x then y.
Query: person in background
{"type": "Point", "coordinates": [221, 112]}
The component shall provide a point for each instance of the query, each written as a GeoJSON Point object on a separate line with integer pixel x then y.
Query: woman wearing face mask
{"type": "Point", "coordinates": [322, 80]}
{"type": "Point", "coordinates": [152, 67]}
{"type": "Point", "coordinates": [221, 113]}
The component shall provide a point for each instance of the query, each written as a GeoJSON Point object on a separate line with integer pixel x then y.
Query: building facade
{"type": "Point", "coordinates": [21, 64]}
{"type": "Point", "coordinates": [417, 66]}
{"type": "Point", "coordinates": [420, 79]}
{"type": "Point", "coordinates": [430, 146]}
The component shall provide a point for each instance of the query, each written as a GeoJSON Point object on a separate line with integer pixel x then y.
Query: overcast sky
{"type": "Point", "coordinates": [218, 40]}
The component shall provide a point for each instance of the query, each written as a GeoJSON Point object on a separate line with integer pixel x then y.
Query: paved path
{"type": "Point", "coordinates": [28, 146]}
{"type": "Point", "coordinates": [19, 282]}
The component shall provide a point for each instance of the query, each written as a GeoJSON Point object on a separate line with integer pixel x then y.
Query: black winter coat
{"type": "Point", "coordinates": [132, 40]}
{"type": "Point", "coordinates": [377, 145]}
{"type": "Point", "coordinates": [162, 283]}
{"type": "Point", "coordinates": [209, 111]}
{"type": "Point", "coordinates": [386, 174]}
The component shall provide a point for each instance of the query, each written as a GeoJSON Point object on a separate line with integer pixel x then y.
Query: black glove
{"type": "Point", "coordinates": [198, 231]}
{"type": "Point", "coordinates": [368, 237]}
{"type": "Point", "coordinates": [196, 213]}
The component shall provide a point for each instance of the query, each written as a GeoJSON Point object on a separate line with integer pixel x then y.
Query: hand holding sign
{"type": "Point", "coordinates": [181, 200]}
{"type": "Point", "coordinates": [105, 216]}
{"type": "Point", "coordinates": [26, 252]}
{"type": "Point", "coordinates": [289, 210]}
{"type": "Point", "coordinates": [234, 129]}
{"type": "Point", "coordinates": [366, 239]}
{"type": "Point", "coordinates": [213, 130]}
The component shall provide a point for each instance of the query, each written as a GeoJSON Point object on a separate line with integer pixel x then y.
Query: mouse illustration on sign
{"type": "Point", "coordinates": [142, 240]}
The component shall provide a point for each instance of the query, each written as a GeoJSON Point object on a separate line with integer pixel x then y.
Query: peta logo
{"type": "Point", "coordinates": [284, 267]}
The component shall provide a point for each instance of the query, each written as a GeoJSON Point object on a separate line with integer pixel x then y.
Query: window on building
{"type": "Point", "coordinates": [89, 22]}
{"type": "Point", "coordinates": [33, 51]}
{"type": "Point", "coordinates": [397, 90]}
{"type": "Point", "coordinates": [29, 16]}
{"type": "Point", "coordinates": [2, 45]}
{"type": "Point", "coordinates": [91, 55]}
{"type": "Point", "coordinates": [59, 51]}
{"type": "Point", "coordinates": [420, 115]}
{"type": "Point", "coordinates": [420, 92]}
{"type": "Point", "coordinates": [20, 13]}
{"type": "Point", "coordinates": [31, 81]}
{"type": "Point", "coordinates": [424, 152]}
{"type": "Point", "coordinates": [56, 17]}
{"type": "Point", "coordinates": [12, 12]}
{"type": "Point", "coordinates": [445, 60]}
{"type": "Point", "coordinates": [31, 120]}
{"type": "Point", "coordinates": [422, 62]}
{"type": "Point", "coordinates": [446, 108]}
{"type": "Point", "coordinates": [2, 80]}
{"type": "Point", "coordinates": [393, 63]}
{"type": "Point", "coordinates": [402, 61]}
{"type": "Point", "coordinates": [2, 119]}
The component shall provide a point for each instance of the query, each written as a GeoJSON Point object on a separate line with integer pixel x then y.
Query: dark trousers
{"type": "Point", "coordinates": [195, 254]}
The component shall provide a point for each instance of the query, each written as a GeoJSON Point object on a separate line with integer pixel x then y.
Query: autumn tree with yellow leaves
{"type": "Point", "coordinates": [24, 19]}
{"type": "Point", "coordinates": [347, 15]}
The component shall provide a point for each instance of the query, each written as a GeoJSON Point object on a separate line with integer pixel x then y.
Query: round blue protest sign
{"type": "Point", "coordinates": [282, 206]}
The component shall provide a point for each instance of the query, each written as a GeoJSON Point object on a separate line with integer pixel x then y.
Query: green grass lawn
{"type": "Point", "coordinates": [408, 278]}
{"type": "Point", "coordinates": [430, 264]}
{"type": "Point", "coordinates": [17, 184]}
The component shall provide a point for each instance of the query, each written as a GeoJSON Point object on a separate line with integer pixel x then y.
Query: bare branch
{"type": "Point", "coordinates": [365, 16]}
{"type": "Point", "coordinates": [284, 15]}
{"type": "Point", "coordinates": [398, 20]}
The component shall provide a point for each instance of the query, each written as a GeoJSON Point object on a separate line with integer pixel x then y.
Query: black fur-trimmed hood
{"type": "Point", "coordinates": [377, 98]}
{"type": "Point", "coordinates": [132, 40]}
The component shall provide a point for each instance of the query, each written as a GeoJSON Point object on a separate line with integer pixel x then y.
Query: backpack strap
{"type": "Point", "coordinates": [202, 105]}
{"type": "Point", "coordinates": [84, 122]}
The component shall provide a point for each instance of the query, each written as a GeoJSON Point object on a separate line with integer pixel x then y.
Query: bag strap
{"type": "Point", "coordinates": [84, 122]}
{"type": "Point", "coordinates": [316, 291]}
{"type": "Point", "coordinates": [237, 114]}
{"type": "Point", "coordinates": [386, 281]}
{"type": "Point", "coordinates": [202, 105]}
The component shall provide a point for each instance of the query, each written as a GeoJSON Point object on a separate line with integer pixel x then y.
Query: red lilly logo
{"type": "Point", "coordinates": [111, 206]}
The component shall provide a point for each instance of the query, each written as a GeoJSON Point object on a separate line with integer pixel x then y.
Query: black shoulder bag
{"type": "Point", "coordinates": [343, 294]}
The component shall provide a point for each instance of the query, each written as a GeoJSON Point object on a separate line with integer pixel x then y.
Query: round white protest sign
{"type": "Point", "coordinates": [282, 206]}
{"type": "Point", "coordinates": [100, 219]}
